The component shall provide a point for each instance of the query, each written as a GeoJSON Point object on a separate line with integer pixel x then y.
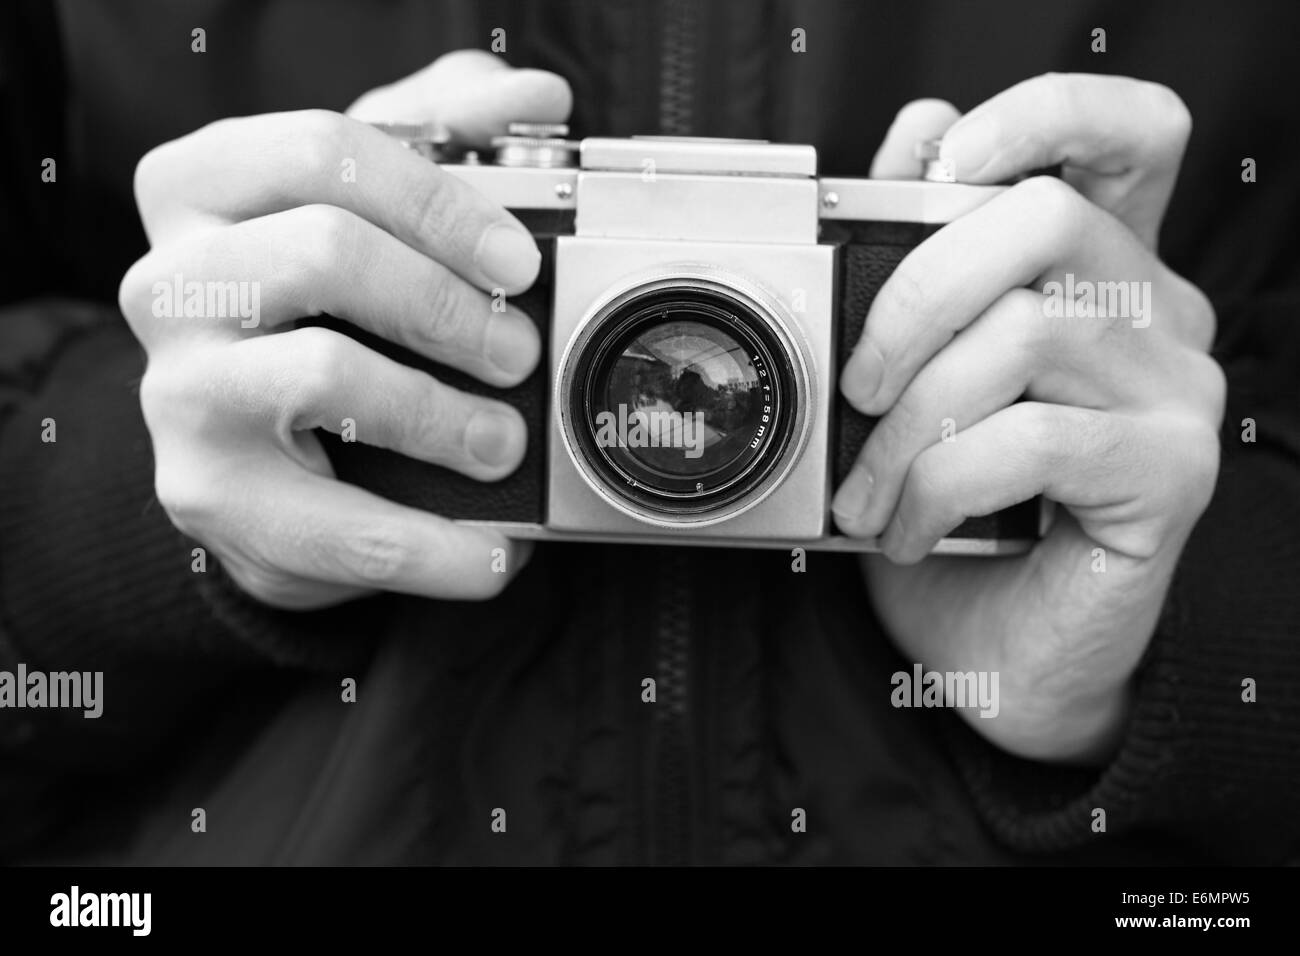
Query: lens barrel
{"type": "Point", "coordinates": [682, 400]}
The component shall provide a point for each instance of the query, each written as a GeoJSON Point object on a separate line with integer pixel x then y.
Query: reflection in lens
{"type": "Point", "coordinates": [693, 391]}
{"type": "Point", "coordinates": [680, 393]}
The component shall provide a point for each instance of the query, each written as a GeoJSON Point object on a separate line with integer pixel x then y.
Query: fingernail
{"type": "Point", "coordinates": [512, 344]}
{"type": "Point", "coordinates": [970, 145]}
{"type": "Point", "coordinates": [850, 502]}
{"type": "Point", "coordinates": [494, 438]}
{"type": "Point", "coordinates": [508, 256]}
{"type": "Point", "coordinates": [862, 375]}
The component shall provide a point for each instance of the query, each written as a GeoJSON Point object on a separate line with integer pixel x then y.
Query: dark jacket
{"type": "Point", "coordinates": [773, 686]}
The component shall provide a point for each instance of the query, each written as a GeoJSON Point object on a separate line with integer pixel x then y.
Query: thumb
{"type": "Point", "coordinates": [474, 94]}
{"type": "Point", "coordinates": [918, 120]}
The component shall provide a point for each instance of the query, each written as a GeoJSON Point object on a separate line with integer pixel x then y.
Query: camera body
{"type": "Point", "coordinates": [697, 300]}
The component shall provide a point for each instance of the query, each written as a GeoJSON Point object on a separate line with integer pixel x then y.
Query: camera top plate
{"type": "Point", "coordinates": [698, 155]}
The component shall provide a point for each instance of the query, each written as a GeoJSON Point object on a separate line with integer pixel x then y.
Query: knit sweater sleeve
{"type": "Point", "coordinates": [1211, 759]}
{"type": "Point", "coordinates": [92, 574]}
{"type": "Point", "coordinates": [93, 577]}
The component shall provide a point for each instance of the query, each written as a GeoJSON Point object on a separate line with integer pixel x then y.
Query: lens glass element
{"type": "Point", "coordinates": [682, 397]}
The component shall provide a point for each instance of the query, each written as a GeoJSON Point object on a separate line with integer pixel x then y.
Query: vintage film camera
{"type": "Point", "coordinates": [696, 301]}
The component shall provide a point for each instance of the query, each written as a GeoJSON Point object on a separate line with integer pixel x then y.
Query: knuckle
{"type": "Point", "coordinates": [1203, 440]}
{"type": "Point", "coordinates": [1051, 198]}
{"type": "Point", "coordinates": [905, 291]}
{"type": "Point", "coordinates": [893, 431]}
{"type": "Point", "coordinates": [1210, 385]}
{"type": "Point", "coordinates": [377, 556]}
{"type": "Point", "coordinates": [429, 209]}
{"type": "Point", "coordinates": [1141, 540]}
{"type": "Point", "coordinates": [187, 499]}
{"type": "Point", "coordinates": [1209, 376]}
{"type": "Point", "coordinates": [923, 107]}
{"type": "Point", "coordinates": [135, 291]}
{"type": "Point", "coordinates": [319, 364]}
{"type": "Point", "coordinates": [187, 395]}
{"type": "Point", "coordinates": [154, 178]}
{"type": "Point", "coordinates": [1061, 210]}
{"type": "Point", "coordinates": [1020, 317]}
{"type": "Point", "coordinates": [147, 174]}
{"type": "Point", "coordinates": [1058, 89]}
{"type": "Point", "coordinates": [330, 230]}
{"type": "Point", "coordinates": [321, 138]}
{"type": "Point", "coordinates": [1171, 117]}
{"type": "Point", "coordinates": [439, 421]}
{"type": "Point", "coordinates": [1200, 323]}
{"type": "Point", "coordinates": [927, 481]}
{"type": "Point", "coordinates": [449, 322]}
{"type": "Point", "coordinates": [1198, 463]}
{"type": "Point", "coordinates": [327, 240]}
{"type": "Point", "coordinates": [157, 389]}
{"type": "Point", "coordinates": [1039, 429]}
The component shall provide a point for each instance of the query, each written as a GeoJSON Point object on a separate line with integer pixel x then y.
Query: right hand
{"type": "Point", "coordinates": [400, 249]}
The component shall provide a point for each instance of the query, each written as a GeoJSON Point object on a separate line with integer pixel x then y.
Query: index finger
{"type": "Point", "coordinates": [320, 529]}
{"type": "Point", "coordinates": [1121, 141]}
{"type": "Point", "coordinates": [238, 169]}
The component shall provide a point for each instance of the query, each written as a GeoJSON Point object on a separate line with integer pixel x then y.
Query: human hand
{"type": "Point", "coordinates": [1119, 424]}
{"type": "Point", "coordinates": [400, 249]}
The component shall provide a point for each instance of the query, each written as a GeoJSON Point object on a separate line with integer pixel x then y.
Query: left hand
{"type": "Point", "coordinates": [1119, 422]}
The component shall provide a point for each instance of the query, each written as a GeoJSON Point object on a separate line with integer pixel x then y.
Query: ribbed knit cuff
{"type": "Point", "coordinates": [1216, 774]}
{"type": "Point", "coordinates": [334, 638]}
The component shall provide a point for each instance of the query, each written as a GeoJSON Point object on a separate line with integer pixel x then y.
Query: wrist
{"type": "Point", "coordinates": [1079, 729]}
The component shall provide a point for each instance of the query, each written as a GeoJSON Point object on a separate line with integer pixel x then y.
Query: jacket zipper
{"type": "Point", "coordinates": [677, 70]}
{"type": "Point", "coordinates": [670, 821]}
{"type": "Point", "coordinates": [671, 811]}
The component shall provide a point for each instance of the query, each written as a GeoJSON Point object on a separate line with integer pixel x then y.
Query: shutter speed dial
{"type": "Point", "coordinates": [536, 146]}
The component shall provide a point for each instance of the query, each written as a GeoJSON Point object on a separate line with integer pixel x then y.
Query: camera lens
{"type": "Point", "coordinates": [682, 400]}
